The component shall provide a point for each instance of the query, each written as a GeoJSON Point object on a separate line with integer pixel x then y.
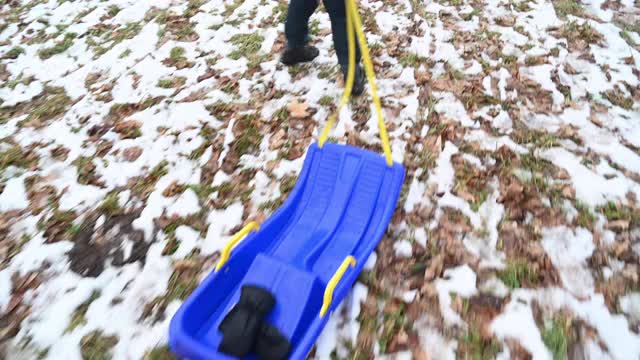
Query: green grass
{"type": "Point", "coordinates": [78, 317]}
{"type": "Point", "coordinates": [160, 353]}
{"type": "Point", "coordinates": [554, 337]}
{"type": "Point", "coordinates": [539, 139]}
{"type": "Point", "coordinates": [177, 53]}
{"type": "Point", "coordinates": [614, 212]}
{"type": "Point", "coordinates": [617, 98]}
{"type": "Point", "coordinates": [159, 170]}
{"type": "Point", "coordinates": [230, 8]}
{"type": "Point", "coordinates": [172, 245]}
{"type": "Point", "coordinates": [125, 53]}
{"type": "Point", "coordinates": [110, 205]}
{"type": "Point", "coordinates": [14, 52]}
{"type": "Point", "coordinates": [180, 288]}
{"type": "Point", "coordinates": [574, 31]}
{"type": "Point", "coordinates": [626, 37]}
{"type": "Point", "coordinates": [246, 45]}
{"type": "Point", "coordinates": [314, 27]}
{"type": "Point", "coordinates": [393, 321]}
{"type": "Point", "coordinates": [21, 79]}
{"type": "Point", "coordinates": [51, 106]}
{"type": "Point", "coordinates": [282, 114]}
{"type": "Point", "coordinates": [295, 70]}
{"type": "Point", "coordinates": [58, 48]}
{"type": "Point", "coordinates": [202, 191]}
{"type": "Point", "coordinates": [250, 138]}
{"type": "Point", "coordinates": [287, 183]}
{"type": "Point", "coordinates": [14, 156]}
{"type": "Point", "coordinates": [186, 31]}
{"type": "Point", "coordinates": [193, 7]}
{"type": "Point", "coordinates": [568, 7]}
{"type": "Point", "coordinates": [477, 348]}
{"type": "Point", "coordinates": [96, 346]}
{"type": "Point", "coordinates": [113, 10]}
{"type": "Point", "coordinates": [482, 197]}
{"type": "Point", "coordinates": [326, 101]}
{"type": "Point", "coordinates": [174, 82]}
{"type": "Point", "coordinates": [517, 274]}
{"type": "Point", "coordinates": [85, 168]}
{"type": "Point", "coordinates": [270, 206]}
{"type": "Point", "coordinates": [327, 72]}
{"type": "Point", "coordinates": [280, 12]}
{"type": "Point", "coordinates": [410, 60]}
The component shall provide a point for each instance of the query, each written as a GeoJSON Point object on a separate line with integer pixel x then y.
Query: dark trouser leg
{"type": "Point", "coordinates": [338, 15]}
{"type": "Point", "coordinates": [296, 26]}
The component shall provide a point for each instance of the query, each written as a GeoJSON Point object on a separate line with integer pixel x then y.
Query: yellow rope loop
{"type": "Point", "coordinates": [335, 279]}
{"type": "Point", "coordinates": [354, 26]}
{"type": "Point", "coordinates": [348, 86]}
{"type": "Point", "coordinates": [226, 251]}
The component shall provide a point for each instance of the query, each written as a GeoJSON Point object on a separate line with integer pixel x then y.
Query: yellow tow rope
{"type": "Point", "coordinates": [354, 28]}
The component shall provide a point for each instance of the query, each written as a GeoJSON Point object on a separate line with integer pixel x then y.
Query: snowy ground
{"type": "Point", "coordinates": [137, 136]}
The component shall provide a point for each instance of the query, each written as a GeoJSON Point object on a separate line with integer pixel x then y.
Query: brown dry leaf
{"type": "Point", "coordinates": [419, 354]}
{"type": "Point", "coordinates": [568, 131]}
{"type": "Point", "coordinates": [630, 272]}
{"type": "Point", "coordinates": [277, 140]}
{"type": "Point", "coordinates": [507, 21]}
{"type": "Point", "coordinates": [535, 250]}
{"type": "Point", "coordinates": [466, 195]}
{"type": "Point", "coordinates": [196, 96]}
{"type": "Point", "coordinates": [132, 154]}
{"type": "Point", "coordinates": [618, 225]}
{"type": "Point", "coordinates": [562, 174]}
{"type": "Point", "coordinates": [402, 338]}
{"type": "Point", "coordinates": [423, 77]}
{"type": "Point", "coordinates": [298, 110]}
{"type": "Point", "coordinates": [456, 305]}
{"type": "Point", "coordinates": [435, 268]}
{"type": "Point", "coordinates": [173, 189]}
{"type": "Point", "coordinates": [429, 290]}
{"type": "Point", "coordinates": [207, 75]}
{"type": "Point", "coordinates": [569, 192]}
{"type": "Point", "coordinates": [570, 69]}
{"type": "Point", "coordinates": [620, 248]}
{"type": "Point", "coordinates": [271, 165]}
{"type": "Point", "coordinates": [184, 264]}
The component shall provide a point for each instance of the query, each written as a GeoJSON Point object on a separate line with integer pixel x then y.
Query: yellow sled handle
{"type": "Point", "coordinates": [335, 279]}
{"type": "Point", "coordinates": [226, 251]}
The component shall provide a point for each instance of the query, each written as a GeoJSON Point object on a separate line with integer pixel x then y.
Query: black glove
{"type": "Point", "coordinates": [271, 344]}
{"type": "Point", "coordinates": [243, 323]}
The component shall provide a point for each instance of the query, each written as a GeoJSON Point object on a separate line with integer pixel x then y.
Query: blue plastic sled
{"type": "Point", "coordinates": [340, 206]}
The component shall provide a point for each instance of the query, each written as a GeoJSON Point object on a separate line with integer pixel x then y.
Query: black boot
{"type": "Point", "coordinates": [358, 82]}
{"type": "Point", "coordinates": [292, 56]}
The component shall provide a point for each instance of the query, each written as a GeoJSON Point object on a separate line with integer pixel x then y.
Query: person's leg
{"type": "Point", "coordinates": [338, 15]}
{"type": "Point", "coordinates": [296, 30]}
{"type": "Point", "coordinates": [296, 26]}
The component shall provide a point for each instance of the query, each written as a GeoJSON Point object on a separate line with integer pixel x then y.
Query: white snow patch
{"type": "Point", "coordinates": [516, 322]}
{"type": "Point", "coordinates": [591, 188]}
{"type": "Point", "coordinates": [188, 238]}
{"type": "Point", "coordinates": [403, 248]}
{"type": "Point", "coordinates": [14, 196]}
{"type": "Point", "coordinates": [460, 280]}
{"type": "Point", "coordinates": [569, 251]}
{"type": "Point", "coordinates": [421, 236]}
{"type": "Point", "coordinates": [443, 174]}
{"type": "Point", "coordinates": [630, 305]}
{"type": "Point", "coordinates": [494, 286]}
{"type": "Point", "coordinates": [185, 205]}
{"type": "Point", "coordinates": [220, 222]}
